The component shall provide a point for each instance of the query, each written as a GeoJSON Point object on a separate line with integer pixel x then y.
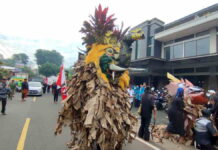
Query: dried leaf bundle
{"type": "Point", "coordinates": [192, 112]}
{"type": "Point", "coordinates": [97, 115]}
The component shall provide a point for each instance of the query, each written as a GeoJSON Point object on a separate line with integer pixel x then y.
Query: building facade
{"type": "Point", "coordinates": [187, 48]}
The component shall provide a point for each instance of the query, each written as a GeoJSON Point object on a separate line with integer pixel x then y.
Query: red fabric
{"type": "Point", "coordinates": [61, 83]}
{"type": "Point", "coordinates": [199, 98]}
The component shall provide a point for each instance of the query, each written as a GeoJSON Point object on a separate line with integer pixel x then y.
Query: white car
{"type": "Point", "coordinates": [35, 88]}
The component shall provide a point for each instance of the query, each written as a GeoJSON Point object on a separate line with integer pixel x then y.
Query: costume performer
{"type": "Point", "coordinates": [97, 109]}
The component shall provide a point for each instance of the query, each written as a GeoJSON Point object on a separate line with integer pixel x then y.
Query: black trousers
{"type": "Point", "coordinates": [55, 97]}
{"type": "Point", "coordinates": [4, 102]}
{"type": "Point", "coordinates": [207, 147]}
{"type": "Point", "coordinates": [137, 103]}
{"type": "Point", "coordinates": [144, 128]}
{"type": "Point", "coordinates": [48, 89]}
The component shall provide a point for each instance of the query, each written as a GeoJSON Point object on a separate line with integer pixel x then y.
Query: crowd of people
{"type": "Point", "coordinates": [205, 127]}
{"type": "Point", "coordinates": [8, 88]}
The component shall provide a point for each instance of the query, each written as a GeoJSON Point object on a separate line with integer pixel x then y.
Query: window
{"type": "Point", "coordinates": [184, 70]}
{"type": "Point", "coordinates": [203, 46]}
{"type": "Point", "coordinates": [184, 38]}
{"type": "Point", "coordinates": [168, 42]}
{"type": "Point", "coordinates": [178, 51]}
{"type": "Point", "coordinates": [202, 69]}
{"type": "Point", "coordinates": [148, 51]}
{"type": "Point", "coordinates": [167, 53]}
{"type": "Point", "coordinates": [136, 49]}
{"type": "Point", "coordinates": [190, 48]}
{"type": "Point", "coordinates": [202, 33]}
{"type": "Point", "coordinates": [150, 40]}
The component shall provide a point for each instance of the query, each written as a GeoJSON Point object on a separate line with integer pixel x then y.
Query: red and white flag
{"type": "Point", "coordinates": [61, 82]}
{"type": "Point", "coordinates": [46, 80]}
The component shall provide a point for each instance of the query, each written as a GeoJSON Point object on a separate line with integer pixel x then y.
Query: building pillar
{"type": "Point", "coordinates": [212, 84]}
{"type": "Point", "coordinates": [213, 40]}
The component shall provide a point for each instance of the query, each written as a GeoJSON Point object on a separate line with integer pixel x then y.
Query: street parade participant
{"type": "Point", "coordinates": [24, 89]}
{"type": "Point", "coordinates": [204, 131]}
{"type": "Point", "coordinates": [55, 91]}
{"type": "Point", "coordinates": [147, 106]}
{"type": "Point", "coordinates": [4, 91]}
{"type": "Point", "coordinates": [131, 95]}
{"type": "Point", "coordinates": [97, 109]}
{"type": "Point", "coordinates": [214, 110]}
{"type": "Point", "coordinates": [12, 86]}
{"type": "Point", "coordinates": [176, 116]}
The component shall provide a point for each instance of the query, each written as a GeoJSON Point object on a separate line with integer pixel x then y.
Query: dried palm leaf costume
{"type": "Point", "coordinates": [97, 109]}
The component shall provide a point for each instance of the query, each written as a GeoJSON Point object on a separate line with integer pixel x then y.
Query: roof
{"type": "Point", "coordinates": [190, 17]}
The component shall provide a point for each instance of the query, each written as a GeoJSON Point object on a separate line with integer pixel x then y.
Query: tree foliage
{"type": "Point", "coordinates": [21, 57]}
{"type": "Point", "coordinates": [4, 73]}
{"type": "Point", "coordinates": [29, 71]}
{"type": "Point", "coordinates": [44, 56]}
{"type": "Point", "coordinates": [48, 69]}
{"type": "Point", "coordinates": [9, 62]}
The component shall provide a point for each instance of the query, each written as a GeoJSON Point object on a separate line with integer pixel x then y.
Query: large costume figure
{"type": "Point", "coordinates": [97, 109]}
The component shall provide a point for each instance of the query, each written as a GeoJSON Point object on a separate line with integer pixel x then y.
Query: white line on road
{"type": "Point", "coordinates": [34, 99]}
{"type": "Point", "coordinates": [148, 144]}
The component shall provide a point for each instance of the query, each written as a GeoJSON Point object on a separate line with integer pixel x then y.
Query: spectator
{"type": "Point", "coordinates": [12, 86]}
{"type": "Point", "coordinates": [204, 130]}
{"type": "Point", "coordinates": [19, 85]}
{"type": "Point", "coordinates": [137, 96]}
{"type": "Point", "coordinates": [147, 105]}
{"type": "Point", "coordinates": [44, 87]}
{"type": "Point", "coordinates": [214, 110]}
{"type": "Point", "coordinates": [131, 95]}
{"type": "Point", "coordinates": [3, 95]}
{"type": "Point", "coordinates": [24, 89]}
{"type": "Point", "coordinates": [56, 92]}
{"type": "Point", "coordinates": [48, 88]}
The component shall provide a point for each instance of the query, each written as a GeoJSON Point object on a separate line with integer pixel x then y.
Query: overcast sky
{"type": "Point", "coordinates": [62, 19]}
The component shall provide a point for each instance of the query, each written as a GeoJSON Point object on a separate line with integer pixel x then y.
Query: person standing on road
{"type": "Point", "coordinates": [48, 88]}
{"type": "Point", "coordinates": [147, 106]}
{"type": "Point", "coordinates": [44, 87]}
{"type": "Point", "coordinates": [3, 95]}
{"type": "Point", "coordinates": [24, 89]}
{"type": "Point", "coordinates": [176, 116]}
{"type": "Point", "coordinates": [131, 95]}
{"type": "Point", "coordinates": [55, 92]}
{"type": "Point", "coordinates": [204, 131]}
{"type": "Point", "coordinates": [12, 86]}
{"type": "Point", "coordinates": [19, 85]}
{"type": "Point", "coordinates": [137, 96]}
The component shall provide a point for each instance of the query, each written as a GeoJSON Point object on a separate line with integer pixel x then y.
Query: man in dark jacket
{"type": "Point", "coordinates": [147, 106]}
{"type": "Point", "coordinates": [25, 89]}
{"type": "Point", "coordinates": [3, 95]}
{"type": "Point", "coordinates": [55, 91]}
{"type": "Point", "coordinates": [204, 131]}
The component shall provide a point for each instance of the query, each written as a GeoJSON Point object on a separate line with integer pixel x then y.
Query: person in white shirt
{"type": "Point", "coordinates": [131, 95]}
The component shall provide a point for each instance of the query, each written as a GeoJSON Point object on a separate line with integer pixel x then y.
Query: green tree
{"type": "Point", "coordinates": [4, 73]}
{"type": "Point", "coordinates": [9, 62]}
{"type": "Point", "coordinates": [48, 69]}
{"type": "Point", "coordinates": [29, 71]}
{"type": "Point", "coordinates": [44, 56]}
{"type": "Point", "coordinates": [21, 57]}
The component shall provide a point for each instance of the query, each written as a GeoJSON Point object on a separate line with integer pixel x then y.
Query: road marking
{"type": "Point", "coordinates": [34, 99]}
{"type": "Point", "coordinates": [148, 144]}
{"type": "Point", "coordinates": [20, 145]}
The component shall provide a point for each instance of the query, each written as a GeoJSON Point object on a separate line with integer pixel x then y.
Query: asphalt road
{"type": "Point", "coordinates": [30, 125]}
